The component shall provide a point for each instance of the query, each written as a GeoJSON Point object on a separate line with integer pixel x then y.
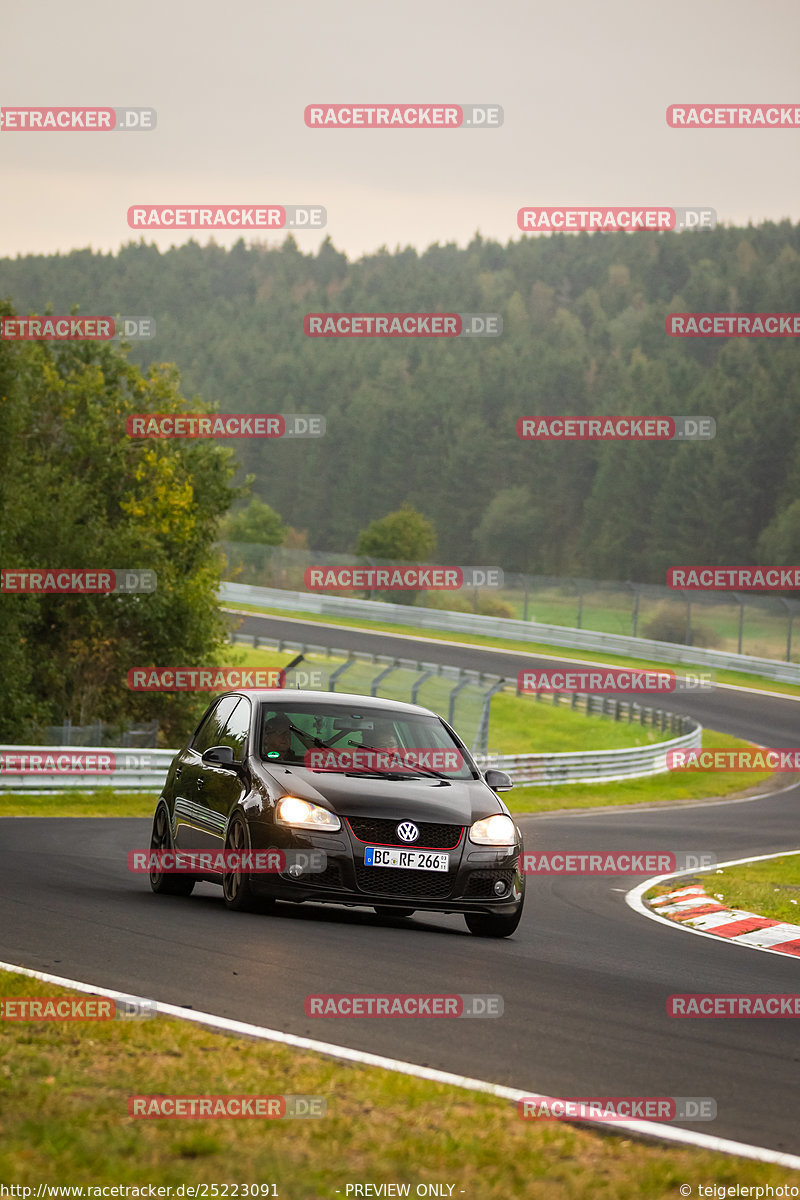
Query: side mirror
{"type": "Point", "coordinates": [220, 756]}
{"type": "Point", "coordinates": [498, 781]}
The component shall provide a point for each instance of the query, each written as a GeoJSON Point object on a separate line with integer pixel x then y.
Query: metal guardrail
{"type": "Point", "coordinates": [133, 770]}
{"type": "Point", "coordinates": [590, 766]}
{"type": "Point", "coordinates": [419, 673]}
{"type": "Point", "coordinates": [146, 770]}
{"type": "Point", "coordinates": [508, 627]}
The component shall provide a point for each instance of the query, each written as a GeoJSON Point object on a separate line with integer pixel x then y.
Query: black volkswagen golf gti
{"type": "Point", "coordinates": [403, 817]}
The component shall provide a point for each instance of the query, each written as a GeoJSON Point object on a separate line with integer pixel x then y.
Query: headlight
{"type": "Point", "coordinates": [494, 831]}
{"type": "Point", "coordinates": [303, 815]}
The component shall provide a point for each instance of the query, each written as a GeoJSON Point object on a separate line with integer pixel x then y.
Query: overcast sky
{"type": "Point", "coordinates": [584, 86]}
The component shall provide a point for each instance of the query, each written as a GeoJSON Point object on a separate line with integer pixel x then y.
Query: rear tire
{"type": "Point", "coordinates": [383, 910]}
{"type": "Point", "coordinates": [161, 882]}
{"type": "Point", "coordinates": [489, 925]}
{"type": "Point", "coordinates": [237, 888]}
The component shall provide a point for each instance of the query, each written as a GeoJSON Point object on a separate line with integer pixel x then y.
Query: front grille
{"type": "Point", "coordinates": [480, 884]}
{"type": "Point", "coordinates": [387, 881]}
{"type": "Point", "coordinates": [431, 835]}
{"type": "Point", "coordinates": [330, 877]}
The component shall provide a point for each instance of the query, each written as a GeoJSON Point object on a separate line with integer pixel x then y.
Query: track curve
{"type": "Point", "coordinates": [584, 981]}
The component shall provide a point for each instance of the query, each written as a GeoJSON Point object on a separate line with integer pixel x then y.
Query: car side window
{"type": "Point", "coordinates": [237, 728]}
{"type": "Point", "coordinates": [210, 731]}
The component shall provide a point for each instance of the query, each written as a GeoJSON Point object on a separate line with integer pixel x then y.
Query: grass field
{"type": "Point", "coordinates": [64, 1090]}
{"type": "Point", "coordinates": [770, 888]}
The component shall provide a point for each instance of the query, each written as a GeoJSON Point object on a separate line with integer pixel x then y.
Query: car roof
{"type": "Point", "coordinates": [373, 703]}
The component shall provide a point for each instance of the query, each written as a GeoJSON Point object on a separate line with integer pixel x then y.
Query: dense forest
{"type": "Point", "coordinates": [432, 422]}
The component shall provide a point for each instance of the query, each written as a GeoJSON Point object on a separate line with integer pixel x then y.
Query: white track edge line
{"type": "Point", "coordinates": [645, 1129]}
{"type": "Point", "coordinates": [633, 899]}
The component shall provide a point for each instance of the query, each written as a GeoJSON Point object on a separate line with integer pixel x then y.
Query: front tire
{"type": "Point", "coordinates": [237, 888]}
{"type": "Point", "coordinates": [491, 925]}
{"type": "Point", "coordinates": [161, 882]}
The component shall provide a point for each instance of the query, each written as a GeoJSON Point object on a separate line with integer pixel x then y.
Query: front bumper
{"type": "Point", "coordinates": [467, 887]}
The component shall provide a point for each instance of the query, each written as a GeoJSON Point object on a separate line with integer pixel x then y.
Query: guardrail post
{"type": "Point", "coordinates": [481, 743]}
{"type": "Point", "coordinates": [417, 684]}
{"type": "Point", "coordinates": [452, 704]}
{"type": "Point", "coordinates": [378, 680]}
{"type": "Point", "coordinates": [334, 676]}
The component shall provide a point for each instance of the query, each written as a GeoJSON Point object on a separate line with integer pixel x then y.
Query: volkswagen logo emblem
{"type": "Point", "coordinates": [407, 831]}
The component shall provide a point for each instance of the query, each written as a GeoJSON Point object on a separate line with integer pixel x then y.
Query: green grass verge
{"type": "Point", "coordinates": [770, 888]}
{"type": "Point", "coordinates": [738, 678]}
{"type": "Point", "coordinates": [105, 802]}
{"type": "Point", "coordinates": [65, 1085]}
{"type": "Point", "coordinates": [672, 787]}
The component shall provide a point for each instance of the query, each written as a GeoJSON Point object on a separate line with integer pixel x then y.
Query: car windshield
{"type": "Point", "coordinates": [348, 739]}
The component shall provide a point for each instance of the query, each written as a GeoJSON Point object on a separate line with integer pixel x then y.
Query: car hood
{"type": "Point", "coordinates": [451, 802]}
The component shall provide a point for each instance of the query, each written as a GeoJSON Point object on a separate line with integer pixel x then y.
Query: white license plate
{"type": "Point", "coordinates": [409, 860]}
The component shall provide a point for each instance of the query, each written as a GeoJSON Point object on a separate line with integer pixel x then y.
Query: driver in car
{"type": "Point", "coordinates": [278, 739]}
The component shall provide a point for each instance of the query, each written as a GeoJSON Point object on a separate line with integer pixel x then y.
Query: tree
{"type": "Point", "coordinates": [779, 543]}
{"type": "Point", "coordinates": [404, 535]}
{"type": "Point", "coordinates": [256, 523]}
{"type": "Point", "coordinates": [510, 532]}
{"type": "Point", "coordinates": [401, 536]}
{"type": "Point", "coordinates": [80, 493]}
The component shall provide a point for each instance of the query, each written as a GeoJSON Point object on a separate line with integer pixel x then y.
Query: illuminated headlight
{"type": "Point", "coordinates": [301, 814]}
{"type": "Point", "coordinates": [494, 831]}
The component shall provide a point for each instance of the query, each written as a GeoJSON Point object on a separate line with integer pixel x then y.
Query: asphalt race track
{"type": "Point", "coordinates": [585, 980]}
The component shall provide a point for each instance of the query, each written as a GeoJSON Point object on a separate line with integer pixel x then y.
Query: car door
{"type": "Point", "coordinates": [195, 828]}
{"type": "Point", "coordinates": [225, 788]}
